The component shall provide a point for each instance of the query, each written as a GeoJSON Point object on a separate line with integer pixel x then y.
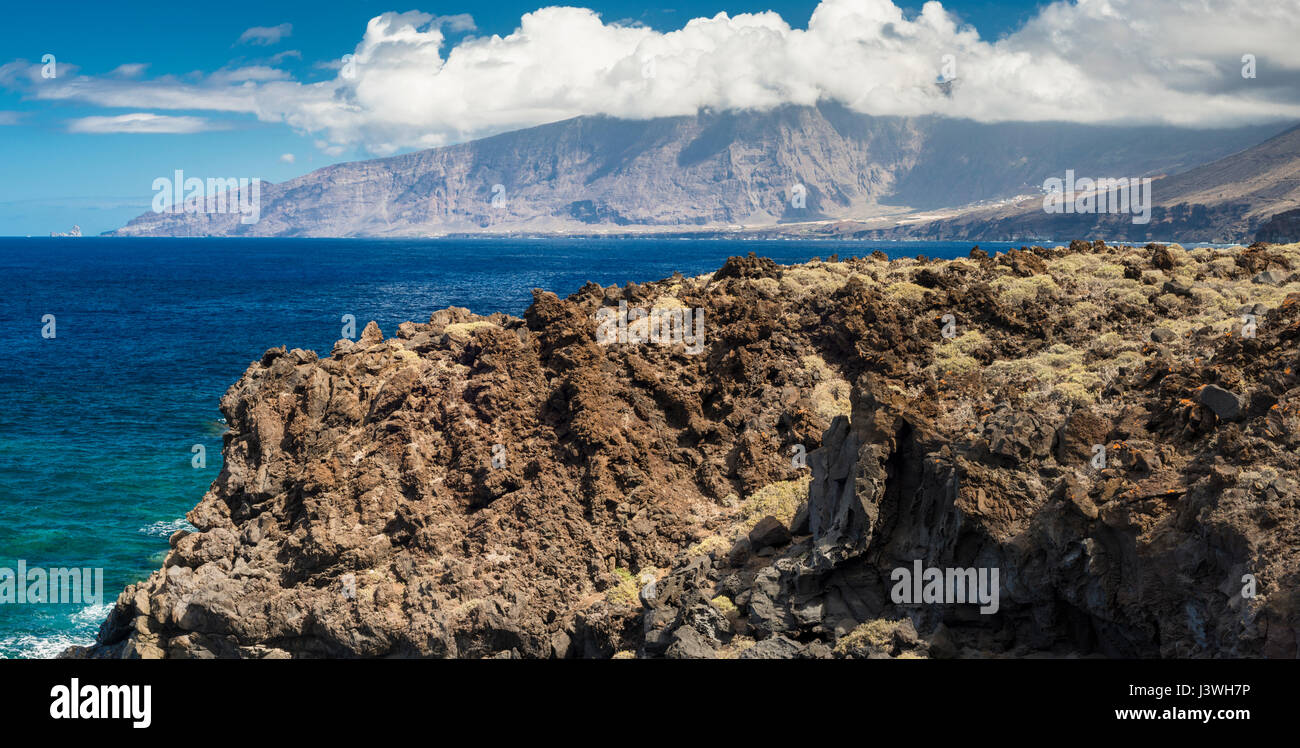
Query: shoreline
{"type": "Point", "coordinates": [858, 389]}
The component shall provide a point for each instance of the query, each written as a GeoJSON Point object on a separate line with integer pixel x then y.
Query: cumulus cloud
{"type": "Point", "coordinates": [140, 122]}
{"type": "Point", "coordinates": [405, 86]}
{"type": "Point", "coordinates": [287, 158]}
{"type": "Point", "coordinates": [265, 36]}
{"type": "Point", "coordinates": [1094, 61]}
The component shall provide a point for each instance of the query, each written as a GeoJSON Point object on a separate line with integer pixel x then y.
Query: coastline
{"type": "Point", "coordinates": [742, 550]}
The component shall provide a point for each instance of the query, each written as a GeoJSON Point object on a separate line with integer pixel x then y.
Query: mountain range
{"type": "Point", "coordinates": [815, 171]}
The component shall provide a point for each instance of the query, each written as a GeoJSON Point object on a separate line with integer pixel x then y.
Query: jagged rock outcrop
{"type": "Point", "coordinates": [511, 487]}
{"type": "Point", "coordinates": [1281, 228]}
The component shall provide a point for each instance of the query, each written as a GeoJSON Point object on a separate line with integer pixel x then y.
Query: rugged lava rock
{"type": "Point", "coordinates": [1113, 428]}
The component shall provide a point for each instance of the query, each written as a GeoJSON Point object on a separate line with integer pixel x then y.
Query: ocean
{"type": "Point", "coordinates": [99, 422]}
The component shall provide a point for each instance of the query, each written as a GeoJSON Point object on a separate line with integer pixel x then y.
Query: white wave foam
{"type": "Point", "coordinates": [30, 646]}
{"type": "Point", "coordinates": [85, 623]}
{"type": "Point", "coordinates": [92, 615]}
{"type": "Point", "coordinates": [165, 529]}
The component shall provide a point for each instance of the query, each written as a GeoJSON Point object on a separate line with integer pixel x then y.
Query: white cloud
{"type": "Point", "coordinates": [265, 36]}
{"type": "Point", "coordinates": [140, 122]}
{"type": "Point", "coordinates": [129, 70]}
{"type": "Point", "coordinates": [456, 23]}
{"type": "Point", "coordinates": [213, 93]}
{"type": "Point", "coordinates": [288, 158]}
{"type": "Point", "coordinates": [10, 118]}
{"type": "Point", "coordinates": [1092, 61]}
{"type": "Point", "coordinates": [255, 73]}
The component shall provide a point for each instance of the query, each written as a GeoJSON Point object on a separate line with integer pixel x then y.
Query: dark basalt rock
{"type": "Point", "coordinates": [1226, 405]}
{"type": "Point", "coordinates": [768, 533]}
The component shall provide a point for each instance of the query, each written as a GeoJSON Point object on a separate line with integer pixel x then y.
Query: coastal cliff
{"type": "Point", "coordinates": [512, 487]}
{"type": "Point", "coordinates": [713, 172]}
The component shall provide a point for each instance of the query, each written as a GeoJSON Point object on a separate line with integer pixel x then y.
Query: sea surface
{"type": "Point", "coordinates": [98, 423]}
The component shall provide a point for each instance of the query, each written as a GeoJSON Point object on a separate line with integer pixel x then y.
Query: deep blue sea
{"type": "Point", "coordinates": [97, 423]}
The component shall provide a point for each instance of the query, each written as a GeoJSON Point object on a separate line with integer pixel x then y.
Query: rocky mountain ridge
{"type": "Point", "coordinates": [714, 171]}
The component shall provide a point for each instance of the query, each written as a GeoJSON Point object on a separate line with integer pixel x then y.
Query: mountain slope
{"type": "Point", "coordinates": [713, 170]}
{"type": "Point", "coordinates": [1267, 177]}
{"type": "Point", "coordinates": [1253, 194]}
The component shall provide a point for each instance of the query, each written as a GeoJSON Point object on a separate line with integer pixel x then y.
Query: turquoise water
{"type": "Point", "coordinates": [98, 423]}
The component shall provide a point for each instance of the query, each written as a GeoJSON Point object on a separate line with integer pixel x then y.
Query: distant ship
{"type": "Point", "coordinates": [76, 231]}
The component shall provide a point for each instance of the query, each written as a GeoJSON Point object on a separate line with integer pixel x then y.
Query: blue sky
{"type": "Point", "coordinates": [57, 169]}
{"type": "Point", "coordinates": [52, 178]}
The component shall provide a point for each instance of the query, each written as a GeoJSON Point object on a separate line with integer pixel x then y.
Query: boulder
{"type": "Point", "coordinates": [1163, 335]}
{"type": "Point", "coordinates": [769, 533]}
{"type": "Point", "coordinates": [689, 644]}
{"type": "Point", "coordinates": [773, 648]}
{"type": "Point", "coordinates": [1228, 406]}
{"type": "Point", "coordinates": [740, 552]}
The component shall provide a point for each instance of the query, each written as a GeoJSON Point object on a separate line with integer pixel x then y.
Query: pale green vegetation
{"type": "Point", "coordinates": [708, 546]}
{"type": "Point", "coordinates": [820, 277]}
{"type": "Point", "coordinates": [872, 634]}
{"type": "Point", "coordinates": [726, 607]}
{"type": "Point", "coordinates": [625, 590]}
{"type": "Point", "coordinates": [1077, 375]}
{"type": "Point", "coordinates": [1018, 290]}
{"type": "Point", "coordinates": [734, 648]}
{"type": "Point", "coordinates": [1070, 265]}
{"type": "Point", "coordinates": [830, 396]}
{"type": "Point", "coordinates": [668, 301]}
{"type": "Point", "coordinates": [905, 290]}
{"type": "Point", "coordinates": [1108, 270]}
{"type": "Point", "coordinates": [1060, 368]}
{"type": "Point", "coordinates": [780, 500]}
{"type": "Point", "coordinates": [954, 356]}
{"type": "Point", "coordinates": [464, 330]}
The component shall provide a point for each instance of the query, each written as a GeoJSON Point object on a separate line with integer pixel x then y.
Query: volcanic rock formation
{"type": "Point", "coordinates": [1113, 428]}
